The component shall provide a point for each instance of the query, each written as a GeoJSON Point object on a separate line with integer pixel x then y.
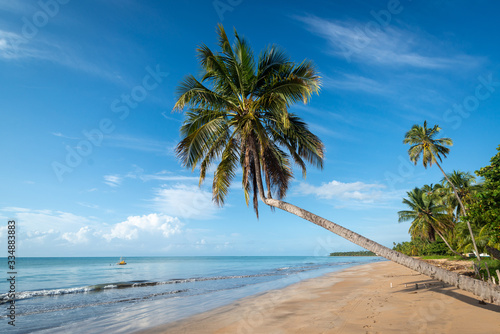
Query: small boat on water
{"type": "Point", "coordinates": [122, 262]}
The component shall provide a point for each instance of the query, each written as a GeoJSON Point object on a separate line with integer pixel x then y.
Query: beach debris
{"type": "Point", "coordinates": [459, 266]}
{"type": "Point", "coordinates": [476, 269]}
{"type": "Point", "coordinates": [416, 286]}
{"type": "Point", "coordinates": [488, 271]}
{"type": "Point", "coordinates": [391, 284]}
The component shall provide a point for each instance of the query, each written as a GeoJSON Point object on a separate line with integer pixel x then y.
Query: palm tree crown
{"type": "Point", "coordinates": [426, 216]}
{"type": "Point", "coordinates": [465, 185]}
{"type": "Point", "coordinates": [238, 116]}
{"type": "Point", "coordinates": [425, 144]}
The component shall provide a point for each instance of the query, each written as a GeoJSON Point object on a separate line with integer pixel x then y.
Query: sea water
{"type": "Point", "coordinates": [95, 295]}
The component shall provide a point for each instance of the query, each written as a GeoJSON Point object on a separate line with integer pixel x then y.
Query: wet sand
{"type": "Point", "coordinates": [355, 300]}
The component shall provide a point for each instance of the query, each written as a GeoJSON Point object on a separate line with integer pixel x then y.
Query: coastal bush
{"type": "Point", "coordinates": [359, 253]}
{"type": "Point", "coordinates": [420, 247]}
{"type": "Point", "coordinates": [493, 266]}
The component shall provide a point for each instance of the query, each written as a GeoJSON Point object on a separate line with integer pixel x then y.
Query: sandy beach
{"type": "Point", "coordinates": [374, 298]}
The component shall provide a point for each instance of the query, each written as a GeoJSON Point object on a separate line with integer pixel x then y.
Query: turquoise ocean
{"type": "Point", "coordinates": [95, 295]}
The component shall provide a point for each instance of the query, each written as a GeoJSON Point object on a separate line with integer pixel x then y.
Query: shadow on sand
{"type": "Point", "coordinates": [448, 290]}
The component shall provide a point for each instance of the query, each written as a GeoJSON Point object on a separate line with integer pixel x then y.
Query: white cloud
{"type": "Point", "coordinates": [88, 205]}
{"type": "Point", "coordinates": [40, 236]}
{"type": "Point", "coordinates": [141, 144]}
{"type": "Point", "coordinates": [185, 201]}
{"type": "Point", "coordinates": [388, 46]}
{"type": "Point", "coordinates": [3, 230]}
{"type": "Point", "coordinates": [78, 237]}
{"type": "Point", "coordinates": [357, 83]}
{"type": "Point", "coordinates": [325, 130]}
{"type": "Point", "coordinates": [152, 223]}
{"type": "Point", "coordinates": [16, 45]}
{"type": "Point", "coordinates": [357, 191]}
{"type": "Point", "coordinates": [113, 180]}
{"type": "Point", "coordinates": [59, 134]}
{"type": "Point", "coordinates": [162, 177]}
{"type": "Point", "coordinates": [15, 209]}
{"type": "Point", "coordinates": [34, 220]}
{"type": "Point", "coordinates": [12, 45]}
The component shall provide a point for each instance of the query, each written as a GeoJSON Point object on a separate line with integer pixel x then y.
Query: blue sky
{"type": "Point", "coordinates": [88, 167]}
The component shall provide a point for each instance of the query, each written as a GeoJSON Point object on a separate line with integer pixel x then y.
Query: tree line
{"type": "Point", "coordinates": [439, 223]}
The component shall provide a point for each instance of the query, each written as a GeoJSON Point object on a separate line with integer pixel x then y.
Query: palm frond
{"type": "Point", "coordinates": [225, 172]}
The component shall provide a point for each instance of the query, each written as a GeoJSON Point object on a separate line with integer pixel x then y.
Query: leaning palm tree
{"type": "Point", "coordinates": [423, 143]}
{"type": "Point", "coordinates": [426, 216]}
{"type": "Point", "coordinates": [239, 118]}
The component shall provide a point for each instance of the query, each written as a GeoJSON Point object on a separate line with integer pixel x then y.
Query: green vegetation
{"type": "Point", "coordinates": [458, 214]}
{"type": "Point", "coordinates": [360, 253]}
{"type": "Point", "coordinates": [493, 265]}
{"type": "Point", "coordinates": [484, 207]}
{"type": "Point", "coordinates": [420, 247]}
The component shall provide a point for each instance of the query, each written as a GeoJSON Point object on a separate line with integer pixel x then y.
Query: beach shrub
{"type": "Point", "coordinates": [436, 248]}
{"type": "Point", "coordinates": [419, 247]}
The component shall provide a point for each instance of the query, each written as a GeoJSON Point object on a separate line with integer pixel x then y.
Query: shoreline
{"type": "Point", "coordinates": [355, 300]}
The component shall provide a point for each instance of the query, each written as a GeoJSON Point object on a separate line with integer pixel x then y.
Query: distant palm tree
{"type": "Point", "coordinates": [426, 216]}
{"type": "Point", "coordinates": [431, 149]}
{"type": "Point", "coordinates": [464, 183]}
{"type": "Point", "coordinates": [238, 118]}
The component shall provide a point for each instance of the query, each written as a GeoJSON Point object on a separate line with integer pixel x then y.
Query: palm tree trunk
{"type": "Point", "coordinates": [483, 290]}
{"type": "Point", "coordinates": [463, 211]}
{"type": "Point", "coordinates": [447, 244]}
{"type": "Point", "coordinates": [432, 234]}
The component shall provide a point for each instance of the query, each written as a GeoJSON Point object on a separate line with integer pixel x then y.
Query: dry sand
{"type": "Point", "coordinates": [356, 300]}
